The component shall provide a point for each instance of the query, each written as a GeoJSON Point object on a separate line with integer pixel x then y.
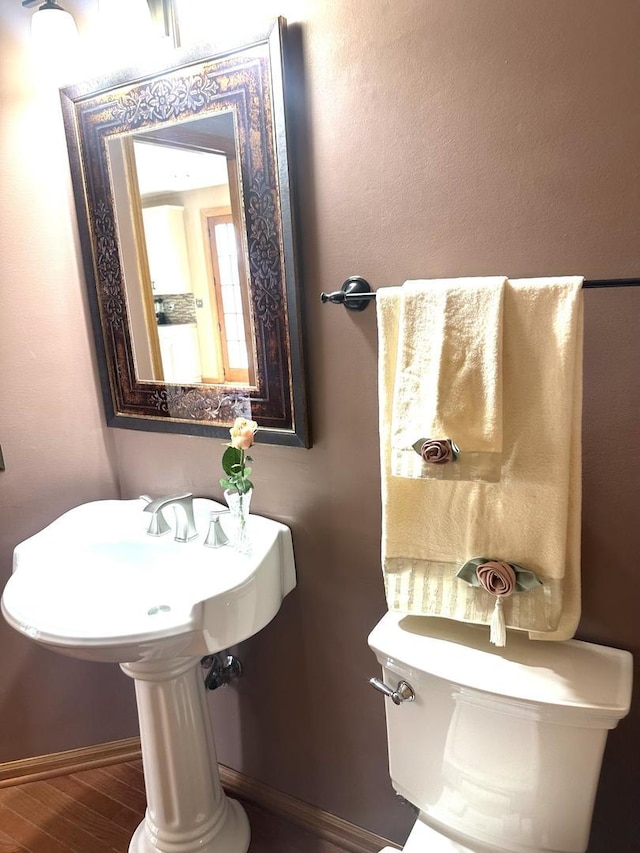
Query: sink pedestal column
{"type": "Point", "coordinates": [187, 810]}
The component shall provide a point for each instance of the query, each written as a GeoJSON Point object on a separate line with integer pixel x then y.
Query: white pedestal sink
{"type": "Point", "coordinates": [94, 585]}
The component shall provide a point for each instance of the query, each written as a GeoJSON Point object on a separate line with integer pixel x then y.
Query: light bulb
{"type": "Point", "coordinates": [126, 19]}
{"type": "Point", "coordinates": [54, 41]}
{"type": "Point", "coordinates": [124, 33]}
{"type": "Point", "coordinates": [52, 24]}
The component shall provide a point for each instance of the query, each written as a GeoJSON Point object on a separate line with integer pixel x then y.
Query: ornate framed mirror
{"type": "Point", "coordinates": [183, 192]}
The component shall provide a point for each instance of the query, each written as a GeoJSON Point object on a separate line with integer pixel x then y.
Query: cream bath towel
{"type": "Point", "coordinates": [532, 516]}
{"type": "Point", "coordinates": [448, 377]}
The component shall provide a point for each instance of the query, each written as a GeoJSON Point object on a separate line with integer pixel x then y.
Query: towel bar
{"type": "Point", "coordinates": [356, 292]}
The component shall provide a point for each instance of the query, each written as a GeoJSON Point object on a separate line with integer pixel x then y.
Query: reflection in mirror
{"type": "Point", "coordinates": [177, 192]}
{"type": "Point", "coordinates": [182, 186]}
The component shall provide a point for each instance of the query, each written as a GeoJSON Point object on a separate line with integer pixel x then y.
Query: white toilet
{"type": "Point", "coordinates": [499, 749]}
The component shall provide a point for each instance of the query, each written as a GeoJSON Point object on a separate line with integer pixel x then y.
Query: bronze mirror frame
{"type": "Point", "coordinates": [247, 78]}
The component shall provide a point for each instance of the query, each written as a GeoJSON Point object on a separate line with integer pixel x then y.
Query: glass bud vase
{"type": "Point", "coordinates": [239, 506]}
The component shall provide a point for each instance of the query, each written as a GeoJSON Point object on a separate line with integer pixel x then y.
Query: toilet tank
{"type": "Point", "coordinates": [500, 748]}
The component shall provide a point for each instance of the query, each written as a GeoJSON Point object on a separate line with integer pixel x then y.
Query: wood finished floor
{"type": "Point", "coordinates": [96, 811]}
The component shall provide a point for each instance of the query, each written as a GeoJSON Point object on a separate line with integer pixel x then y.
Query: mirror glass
{"type": "Point", "coordinates": [176, 191]}
{"type": "Point", "coordinates": [182, 186]}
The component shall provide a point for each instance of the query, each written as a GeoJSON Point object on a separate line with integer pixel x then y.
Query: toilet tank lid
{"type": "Point", "coordinates": [571, 673]}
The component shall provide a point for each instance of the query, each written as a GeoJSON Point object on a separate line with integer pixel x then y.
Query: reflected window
{"type": "Point", "coordinates": [230, 297]}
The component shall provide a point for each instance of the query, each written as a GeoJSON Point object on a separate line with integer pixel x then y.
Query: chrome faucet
{"type": "Point", "coordinates": [183, 509]}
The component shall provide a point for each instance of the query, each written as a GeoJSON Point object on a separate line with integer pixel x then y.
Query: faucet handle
{"type": "Point", "coordinates": [216, 537]}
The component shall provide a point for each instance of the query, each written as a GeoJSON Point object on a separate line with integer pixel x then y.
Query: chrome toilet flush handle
{"type": "Point", "coordinates": [403, 693]}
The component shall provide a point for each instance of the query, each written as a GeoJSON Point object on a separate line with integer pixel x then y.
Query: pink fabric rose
{"type": "Point", "coordinates": [242, 433]}
{"type": "Point", "coordinates": [436, 451]}
{"type": "Point", "coordinates": [497, 577]}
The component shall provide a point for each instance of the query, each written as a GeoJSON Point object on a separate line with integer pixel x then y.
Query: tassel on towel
{"type": "Point", "coordinates": [500, 579]}
{"type": "Point", "coordinates": [498, 633]}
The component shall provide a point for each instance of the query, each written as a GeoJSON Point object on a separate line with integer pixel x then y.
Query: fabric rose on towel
{"type": "Point", "coordinates": [437, 451]}
{"type": "Point", "coordinates": [500, 579]}
{"type": "Point", "coordinates": [497, 577]}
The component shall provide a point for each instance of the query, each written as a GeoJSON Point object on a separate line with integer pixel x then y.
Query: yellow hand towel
{"type": "Point", "coordinates": [532, 516]}
{"type": "Point", "coordinates": [448, 377]}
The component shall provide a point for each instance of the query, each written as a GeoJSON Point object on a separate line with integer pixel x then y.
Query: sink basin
{"type": "Point", "coordinates": [94, 585]}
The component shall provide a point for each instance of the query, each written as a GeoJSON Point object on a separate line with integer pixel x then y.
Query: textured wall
{"type": "Point", "coordinates": [433, 138]}
{"type": "Point", "coordinates": [52, 431]}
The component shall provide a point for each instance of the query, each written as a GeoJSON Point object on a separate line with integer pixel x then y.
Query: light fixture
{"type": "Point", "coordinates": [51, 22]}
{"type": "Point", "coordinates": [165, 19]}
{"type": "Point", "coordinates": [126, 17]}
{"type": "Point", "coordinates": [141, 16]}
{"type": "Point", "coordinates": [123, 31]}
{"type": "Point", "coordinates": [54, 41]}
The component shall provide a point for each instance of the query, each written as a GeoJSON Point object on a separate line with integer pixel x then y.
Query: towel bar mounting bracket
{"type": "Point", "coordinates": [355, 294]}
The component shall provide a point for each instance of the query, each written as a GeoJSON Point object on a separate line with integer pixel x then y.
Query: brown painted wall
{"type": "Point", "coordinates": [52, 431]}
{"type": "Point", "coordinates": [433, 138]}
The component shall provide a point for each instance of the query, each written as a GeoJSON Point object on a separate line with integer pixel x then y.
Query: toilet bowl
{"type": "Point", "coordinates": [499, 749]}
